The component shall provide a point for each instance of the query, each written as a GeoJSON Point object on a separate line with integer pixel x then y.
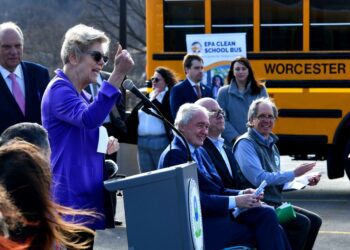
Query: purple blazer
{"type": "Point", "coordinates": [73, 125]}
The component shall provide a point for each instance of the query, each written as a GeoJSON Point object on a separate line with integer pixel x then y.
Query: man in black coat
{"type": "Point", "coordinates": [22, 84]}
{"type": "Point", "coordinates": [219, 153]}
{"type": "Point", "coordinates": [191, 89]}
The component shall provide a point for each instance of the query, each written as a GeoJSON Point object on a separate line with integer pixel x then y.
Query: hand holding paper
{"type": "Point", "coordinates": [314, 179]}
{"type": "Point", "coordinates": [113, 145]}
{"type": "Point", "coordinates": [301, 182]}
{"type": "Point", "coordinates": [246, 201]}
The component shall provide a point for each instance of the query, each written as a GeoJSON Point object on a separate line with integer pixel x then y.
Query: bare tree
{"type": "Point", "coordinates": [105, 14]}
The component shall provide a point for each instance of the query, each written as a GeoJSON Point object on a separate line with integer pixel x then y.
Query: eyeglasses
{"type": "Point", "coordinates": [217, 114]}
{"type": "Point", "coordinates": [97, 56]}
{"type": "Point", "coordinates": [155, 79]}
{"type": "Point", "coordinates": [266, 117]}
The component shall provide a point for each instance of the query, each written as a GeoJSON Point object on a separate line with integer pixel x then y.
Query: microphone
{"type": "Point", "coordinates": [129, 85]}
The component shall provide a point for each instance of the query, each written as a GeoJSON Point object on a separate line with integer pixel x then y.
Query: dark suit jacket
{"type": "Point", "coordinates": [132, 122]}
{"type": "Point", "coordinates": [220, 165]}
{"type": "Point", "coordinates": [36, 78]}
{"type": "Point", "coordinates": [213, 194]}
{"type": "Point", "coordinates": [183, 92]}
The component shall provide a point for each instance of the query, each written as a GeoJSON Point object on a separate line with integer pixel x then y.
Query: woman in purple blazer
{"type": "Point", "coordinates": [78, 142]}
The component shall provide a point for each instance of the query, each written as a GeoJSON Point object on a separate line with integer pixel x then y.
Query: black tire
{"type": "Point", "coordinates": [346, 159]}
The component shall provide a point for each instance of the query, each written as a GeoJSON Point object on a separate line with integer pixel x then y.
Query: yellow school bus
{"type": "Point", "coordinates": [301, 48]}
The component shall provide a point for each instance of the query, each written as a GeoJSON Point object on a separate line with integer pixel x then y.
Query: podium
{"type": "Point", "coordinates": [162, 208]}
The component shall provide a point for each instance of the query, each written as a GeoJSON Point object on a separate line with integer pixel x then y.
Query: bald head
{"type": "Point", "coordinates": [216, 116]}
{"type": "Point", "coordinates": [11, 45]}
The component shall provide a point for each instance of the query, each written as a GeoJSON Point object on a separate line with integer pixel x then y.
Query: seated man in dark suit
{"type": "Point", "coordinates": [22, 83]}
{"type": "Point", "coordinates": [219, 153]}
{"type": "Point", "coordinates": [191, 89]}
{"type": "Point", "coordinates": [257, 226]}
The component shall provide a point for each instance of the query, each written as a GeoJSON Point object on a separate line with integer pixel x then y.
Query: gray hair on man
{"type": "Point", "coordinates": [186, 112]}
{"type": "Point", "coordinates": [79, 38]}
{"type": "Point", "coordinates": [253, 109]}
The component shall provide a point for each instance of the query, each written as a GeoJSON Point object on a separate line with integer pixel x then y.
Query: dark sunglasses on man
{"type": "Point", "coordinates": [97, 56]}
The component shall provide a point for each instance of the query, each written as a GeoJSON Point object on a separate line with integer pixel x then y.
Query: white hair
{"type": "Point", "coordinates": [186, 112]}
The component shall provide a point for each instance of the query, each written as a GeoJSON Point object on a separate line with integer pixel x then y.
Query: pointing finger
{"type": "Point", "coordinates": [119, 50]}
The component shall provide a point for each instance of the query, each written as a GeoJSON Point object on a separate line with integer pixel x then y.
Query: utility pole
{"type": "Point", "coordinates": [122, 21]}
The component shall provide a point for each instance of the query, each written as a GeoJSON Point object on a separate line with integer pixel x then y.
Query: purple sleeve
{"type": "Point", "coordinates": [69, 106]}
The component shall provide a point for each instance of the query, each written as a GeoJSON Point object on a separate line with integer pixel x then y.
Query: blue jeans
{"type": "Point", "coordinates": [149, 150]}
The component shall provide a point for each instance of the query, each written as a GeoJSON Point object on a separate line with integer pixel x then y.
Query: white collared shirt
{"type": "Point", "coordinates": [19, 77]}
{"type": "Point", "coordinates": [150, 125]}
{"type": "Point", "coordinates": [219, 144]}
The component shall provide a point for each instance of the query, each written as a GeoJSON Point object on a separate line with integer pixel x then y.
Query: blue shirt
{"type": "Point", "coordinates": [250, 164]}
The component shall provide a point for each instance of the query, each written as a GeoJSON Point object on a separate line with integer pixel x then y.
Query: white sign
{"type": "Point", "coordinates": [195, 215]}
{"type": "Point", "coordinates": [216, 48]}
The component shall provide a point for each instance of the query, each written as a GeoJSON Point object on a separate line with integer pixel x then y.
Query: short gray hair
{"type": "Point", "coordinates": [12, 26]}
{"type": "Point", "coordinates": [79, 38]}
{"type": "Point", "coordinates": [186, 112]}
{"type": "Point", "coordinates": [253, 109]}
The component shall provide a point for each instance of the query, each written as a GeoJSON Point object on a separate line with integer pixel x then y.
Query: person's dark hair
{"type": "Point", "coordinates": [255, 84]}
{"type": "Point", "coordinates": [213, 80]}
{"type": "Point", "coordinates": [29, 132]}
{"type": "Point", "coordinates": [189, 58]}
{"type": "Point", "coordinates": [25, 174]}
{"type": "Point", "coordinates": [168, 75]}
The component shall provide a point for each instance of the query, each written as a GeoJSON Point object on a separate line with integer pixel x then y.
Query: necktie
{"type": "Point", "coordinates": [200, 162]}
{"type": "Point", "coordinates": [17, 93]}
{"type": "Point", "coordinates": [198, 89]}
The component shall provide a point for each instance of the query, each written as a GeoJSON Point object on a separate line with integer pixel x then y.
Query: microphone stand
{"type": "Point", "coordinates": [161, 117]}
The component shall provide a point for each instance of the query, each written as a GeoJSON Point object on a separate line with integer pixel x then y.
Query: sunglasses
{"type": "Point", "coordinates": [97, 56]}
{"type": "Point", "coordinates": [155, 79]}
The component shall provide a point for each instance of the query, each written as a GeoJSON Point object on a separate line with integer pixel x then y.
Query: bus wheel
{"type": "Point", "coordinates": [346, 158]}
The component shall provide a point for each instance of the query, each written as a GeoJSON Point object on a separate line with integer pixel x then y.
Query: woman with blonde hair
{"type": "Point", "coordinates": [77, 138]}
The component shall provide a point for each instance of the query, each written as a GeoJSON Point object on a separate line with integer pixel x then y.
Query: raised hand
{"type": "Point", "coordinates": [123, 63]}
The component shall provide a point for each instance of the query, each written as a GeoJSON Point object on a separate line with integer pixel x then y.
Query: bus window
{"type": "Point", "coordinates": [281, 25]}
{"type": "Point", "coordinates": [181, 18]}
{"type": "Point", "coordinates": [329, 25]}
{"type": "Point", "coordinates": [232, 17]}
